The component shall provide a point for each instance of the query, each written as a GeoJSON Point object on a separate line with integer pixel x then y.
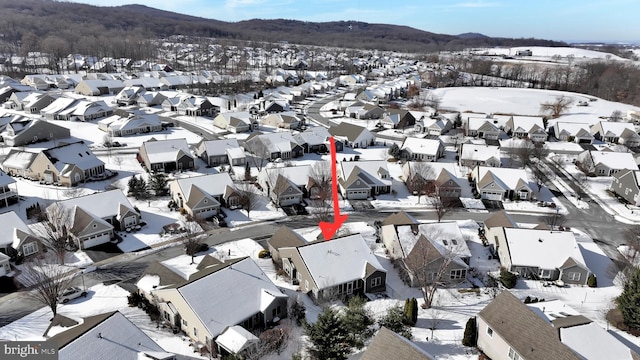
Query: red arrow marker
{"type": "Point", "coordinates": [328, 228]}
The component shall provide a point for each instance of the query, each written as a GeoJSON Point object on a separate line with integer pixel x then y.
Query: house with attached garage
{"type": "Point", "coordinates": [31, 102]}
{"type": "Point", "coordinates": [332, 269]}
{"type": "Point", "coordinates": [616, 133]}
{"type": "Point", "coordinates": [219, 152]}
{"type": "Point", "coordinates": [235, 122]}
{"type": "Point", "coordinates": [397, 119]}
{"type": "Point", "coordinates": [364, 111]}
{"type": "Point", "coordinates": [316, 139]}
{"type": "Point", "coordinates": [438, 126]}
{"type": "Point", "coordinates": [573, 132]}
{"type": "Point", "coordinates": [626, 184]}
{"type": "Point", "coordinates": [149, 99]}
{"type": "Point", "coordinates": [439, 175]}
{"type": "Point", "coordinates": [481, 127]}
{"type": "Point", "coordinates": [130, 124]}
{"type": "Point", "coordinates": [284, 120]}
{"type": "Point", "coordinates": [129, 95]}
{"type": "Point", "coordinates": [605, 163]}
{"type": "Point", "coordinates": [96, 87]}
{"type": "Point", "coordinates": [472, 155]}
{"type": "Point", "coordinates": [287, 185]}
{"type": "Point", "coordinates": [351, 135]}
{"type": "Point", "coordinates": [166, 155]}
{"type": "Point", "coordinates": [417, 149]}
{"type": "Point", "coordinates": [196, 106]}
{"type": "Point", "coordinates": [111, 206]}
{"type": "Point", "coordinates": [272, 146]}
{"type": "Point", "coordinates": [507, 329]}
{"type": "Point", "coordinates": [359, 180]}
{"type": "Point", "coordinates": [67, 165]}
{"type": "Point", "coordinates": [422, 250]}
{"type": "Point", "coordinates": [387, 344]}
{"type": "Point", "coordinates": [250, 300]}
{"type": "Point", "coordinates": [531, 127]}
{"type": "Point", "coordinates": [542, 254]}
{"type": "Point", "coordinates": [202, 196]}
{"type": "Point", "coordinates": [284, 237]}
{"type": "Point", "coordinates": [17, 240]}
{"type": "Point", "coordinates": [8, 190]}
{"type": "Point", "coordinates": [501, 183]}
{"type": "Point", "coordinates": [105, 336]}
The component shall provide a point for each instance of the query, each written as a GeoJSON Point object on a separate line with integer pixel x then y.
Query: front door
{"type": "Point", "coordinates": [350, 287]}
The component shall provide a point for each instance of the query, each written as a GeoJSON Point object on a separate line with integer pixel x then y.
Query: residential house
{"type": "Point", "coordinates": [626, 184]}
{"type": "Point", "coordinates": [8, 190]}
{"type": "Point", "coordinates": [387, 344]}
{"type": "Point", "coordinates": [52, 111]}
{"type": "Point", "coordinates": [31, 102]}
{"type": "Point", "coordinates": [149, 99]}
{"type": "Point", "coordinates": [284, 237]}
{"type": "Point", "coordinates": [364, 111]}
{"type": "Point", "coordinates": [398, 119]}
{"type": "Point", "coordinates": [272, 146]}
{"type": "Point", "coordinates": [201, 196]}
{"type": "Point", "coordinates": [218, 152]}
{"type": "Point", "coordinates": [482, 127]}
{"type": "Point", "coordinates": [111, 206]}
{"type": "Point", "coordinates": [106, 336]}
{"type": "Point", "coordinates": [84, 110]}
{"type": "Point", "coordinates": [573, 132]}
{"type": "Point", "coordinates": [360, 180]}
{"type": "Point", "coordinates": [438, 126]}
{"type": "Point", "coordinates": [501, 183]}
{"type": "Point", "coordinates": [276, 106]}
{"type": "Point", "coordinates": [67, 165]}
{"type": "Point", "coordinates": [472, 155]}
{"type": "Point", "coordinates": [30, 131]}
{"type": "Point", "coordinates": [316, 139]}
{"type": "Point", "coordinates": [285, 120]}
{"type": "Point", "coordinates": [250, 300]}
{"type": "Point", "coordinates": [166, 155]}
{"type": "Point", "coordinates": [196, 106]}
{"type": "Point", "coordinates": [97, 87]}
{"type": "Point", "coordinates": [330, 269]}
{"type": "Point", "coordinates": [129, 95]}
{"type": "Point", "coordinates": [351, 135]}
{"type": "Point", "coordinates": [286, 185]}
{"type": "Point", "coordinates": [131, 124]}
{"type": "Point", "coordinates": [542, 254]}
{"type": "Point", "coordinates": [417, 149]}
{"type": "Point", "coordinates": [17, 240]}
{"type": "Point", "coordinates": [605, 163]}
{"type": "Point", "coordinates": [507, 329]}
{"type": "Point", "coordinates": [616, 133]}
{"type": "Point", "coordinates": [530, 127]}
{"type": "Point", "coordinates": [235, 122]}
{"type": "Point", "coordinates": [438, 177]}
{"type": "Point", "coordinates": [424, 249]}
{"type": "Point", "coordinates": [176, 81]}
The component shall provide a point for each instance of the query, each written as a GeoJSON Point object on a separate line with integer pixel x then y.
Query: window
{"type": "Point", "coordinates": [574, 276]}
{"type": "Point", "coordinates": [457, 274]}
{"type": "Point", "coordinates": [184, 323]}
{"type": "Point", "coordinates": [445, 242]}
{"type": "Point", "coordinates": [513, 355]}
{"type": "Point", "coordinates": [195, 331]}
{"type": "Point", "coordinates": [29, 248]}
{"type": "Point", "coordinates": [167, 316]}
{"type": "Point", "coordinates": [545, 273]}
{"type": "Point", "coordinates": [306, 284]}
{"type": "Point", "coordinates": [490, 332]}
{"type": "Point", "coordinates": [375, 282]}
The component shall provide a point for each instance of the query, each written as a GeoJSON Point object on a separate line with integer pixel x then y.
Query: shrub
{"type": "Point", "coordinates": [508, 279]}
{"type": "Point", "coordinates": [527, 300]}
{"type": "Point", "coordinates": [470, 331]}
{"type": "Point", "coordinates": [592, 281]}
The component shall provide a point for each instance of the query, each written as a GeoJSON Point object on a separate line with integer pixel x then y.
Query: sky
{"type": "Point", "coordinates": [565, 20]}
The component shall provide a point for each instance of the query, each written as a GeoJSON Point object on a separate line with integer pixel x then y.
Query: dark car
{"type": "Point", "coordinates": [219, 220]}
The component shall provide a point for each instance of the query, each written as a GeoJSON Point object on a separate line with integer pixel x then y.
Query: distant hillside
{"type": "Point", "coordinates": [35, 20]}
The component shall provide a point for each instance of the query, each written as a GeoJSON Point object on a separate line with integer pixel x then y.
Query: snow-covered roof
{"type": "Point", "coordinates": [299, 175]}
{"type": "Point", "coordinates": [339, 260]}
{"type": "Point", "coordinates": [77, 154]}
{"type": "Point", "coordinates": [542, 248]}
{"type": "Point", "coordinates": [101, 204]}
{"type": "Point", "coordinates": [599, 344]}
{"type": "Point", "coordinates": [116, 337]}
{"type": "Point", "coordinates": [219, 147]}
{"type": "Point", "coordinates": [160, 151]}
{"type": "Point", "coordinates": [242, 284]}
{"type": "Point", "coordinates": [235, 153]}
{"type": "Point", "coordinates": [509, 178]}
{"type": "Point", "coordinates": [372, 168]}
{"type": "Point", "coordinates": [421, 146]}
{"type": "Point", "coordinates": [478, 152]}
{"type": "Point", "coordinates": [6, 179]}
{"type": "Point", "coordinates": [445, 236]}
{"type": "Point", "coordinates": [278, 141]}
{"type": "Point", "coordinates": [614, 160]}
{"type": "Point", "coordinates": [235, 339]}
{"type": "Point", "coordinates": [212, 184]}
{"type": "Point", "coordinates": [18, 159]}
{"type": "Point", "coordinates": [572, 128]}
{"type": "Point", "coordinates": [9, 223]}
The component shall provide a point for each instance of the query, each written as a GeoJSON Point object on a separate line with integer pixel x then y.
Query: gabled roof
{"type": "Point", "coordinates": [507, 178]}
{"type": "Point", "coordinates": [218, 147]}
{"type": "Point", "coordinates": [421, 146]}
{"type": "Point", "coordinates": [500, 219]}
{"type": "Point", "coordinates": [338, 260]}
{"type": "Point", "coordinates": [614, 160]}
{"type": "Point", "coordinates": [102, 204]}
{"type": "Point", "coordinates": [367, 170]}
{"type": "Point", "coordinates": [19, 159]}
{"type": "Point", "coordinates": [386, 344]}
{"type": "Point", "coordinates": [478, 152]}
{"type": "Point", "coordinates": [348, 130]}
{"type": "Point", "coordinates": [542, 248]}
{"type": "Point", "coordinates": [527, 333]}
{"type": "Point", "coordinates": [12, 225]}
{"type": "Point", "coordinates": [77, 154]}
{"type": "Point", "coordinates": [160, 151]}
{"type": "Point", "coordinates": [6, 179]}
{"type": "Point", "coordinates": [285, 237]}
{"type": "Point", "coordinates": [104, 336]}
{"type": "Point", "coordinates": [247, 290]}
{"type": "Point", "coordinates": [446, 237]}
{"type": "Point", "coordinates": [236, 339]}
{"type": "Point", "coordinates": [81, 218]}
{"type": "Point", "coordinates": [399, 218]}
{"type": "Point", "coordinates": [211, 184]}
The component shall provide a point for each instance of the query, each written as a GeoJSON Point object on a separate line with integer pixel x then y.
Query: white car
{"type": "Point", "coordinates": [72, 293]}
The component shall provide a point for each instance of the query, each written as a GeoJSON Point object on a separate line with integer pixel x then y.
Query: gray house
{"type": "Point", "coordinates": [625, 184]}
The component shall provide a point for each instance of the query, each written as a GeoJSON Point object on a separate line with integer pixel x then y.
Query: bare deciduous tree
{"type": "Point", "coordinates": [54, 229]}
{"type": "Point", "coordinates": [557, 107]}
{"type": "Point", "coordinates": [442, 205]}
{"type": "Point", "coordinates": [192, 236]}
{"type": "Point", "coordinates": [321, 190]}
{"type": "Point", "coordinates": [429, 266]}
{"type": "Point", "coordinates": [420, 180]}
{"type": "Point", "coordinates": [46, 281]}
{"type": "Point", "coordinates": [249, 197]}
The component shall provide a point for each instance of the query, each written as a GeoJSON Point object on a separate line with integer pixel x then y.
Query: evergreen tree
{"type": "Point", "coordinates": [508, 279]}
{"type": "Point", "coordinates": [158, 184]}
{"type": "Point", "coordinates": [138, 188]}
{"type": "Point", "coordinates": [470, 331]}
{"type": "Point", "coordinates": [396, 321]}
{"type": "Point", "coordinates": [131, 185]}
{"type": "Point", "coordinates": [358, 322]}
{"type": "Point", "coordinates": [628, 302]}
{"type": "Point", "coordinates": [329, 336]}
{"type": "Point", "coordinates": [394, 151]}
{"type": "Point", "coordinates": [592, 281]}
{"type": "Point", "coordinates": [414, 311]}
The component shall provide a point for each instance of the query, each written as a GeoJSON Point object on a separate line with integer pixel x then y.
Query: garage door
{"type": "Point", "coordinates": [491, 196]}
{"type": "Point", "coordinates": [358, 195]}
{"type": "Point", "coordinates": [100, 239]}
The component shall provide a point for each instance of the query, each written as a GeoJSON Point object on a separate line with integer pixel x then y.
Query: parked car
{"type": "Point", "coordinates": [72, 293]}
{"type": "Point", "coordinates": [219, 220]}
